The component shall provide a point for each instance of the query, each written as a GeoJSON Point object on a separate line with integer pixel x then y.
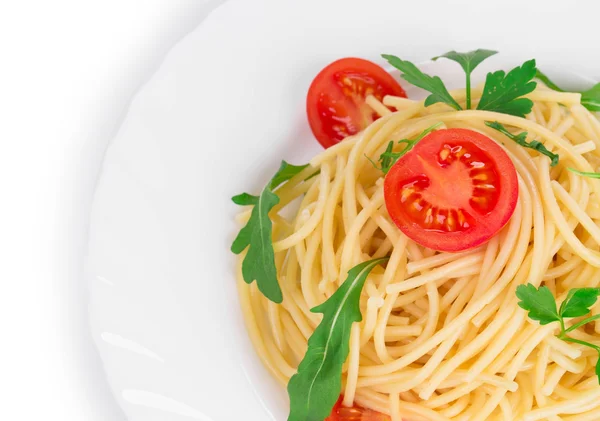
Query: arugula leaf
{"type": "Point", "coordinates": [539, 303]}
{"type": "Point", "coordinates": [578, 302]}
{"type": "Point", "coordinates": [542, 307]}
{"type": "Point", "coordinates": [286, 171]}
{"type": "Point", "coordinates": [315, 388]}
{"type": "Point", "coordinates": [257, 235]}
{"type": "Point", "coordinates": [411, 143]}
{"type": "Point", "coordinates": [245, 199]}
{"type": "Point", "coordinates": [590, 99]}
{"type": "Point", "coordinates": [389, 158]}
{"type": "Point", "coordinates": [501, 91]}
{"type": "Point", "coordinates": [432, 84]}
{"type": "Point", "coordinates": [313, 175]}
{"type": "Point", "coordinates": [468, 61]}
{"type": "Point", "coordinates": [385, 158]}
{"type": "Point", "coordinates": [585, 174]}
{"type": "Point", "coordinates": [521, 139]}
{"type": "Point", "coordinates": [541, 76]}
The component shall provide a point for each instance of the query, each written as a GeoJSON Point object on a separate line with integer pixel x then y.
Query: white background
{"type": "Point", "coordinates": [67, 71]}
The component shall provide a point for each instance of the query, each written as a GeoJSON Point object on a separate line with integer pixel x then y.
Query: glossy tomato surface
{"type": "Point", "coordinates": [354, 413]}
{"type": "Point", "coordinates": [335, 103]}
{"type": "Point", "coordinates": [453, 191]}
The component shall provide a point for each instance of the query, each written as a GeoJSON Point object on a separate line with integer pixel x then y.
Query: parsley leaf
{"type": "Point", "coordinates": [432, 84]}
{"type": "Point", "coordinates": [542, 307]}
{"type": "Point", "coordinates": [585, 174]}
{"type": "Point", "coordinates": [590, 99]}
{"type": "Point", "coordinates": [521, 139]}
{"type": "Point", "coordinates": [540, 303]}
{"type": "Point", "coordinates": [468, 61]}
{"type": "Point", "coordinates": [578, 302]}
{"type": "Point", "coordinates": [389, 158]}
{"type": "Point", "coordinates": [257, 235]}
{"type": "Point", "coordinates": [315, 388]}
{"type": "Point", "coordinates": [502, 91]}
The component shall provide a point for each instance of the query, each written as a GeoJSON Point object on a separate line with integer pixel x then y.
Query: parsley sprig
{"type": "Point", "coordinates": [590, 99]}
{"type": "Point", "coordinates": [503, 92]}
{"type": "Point", "coordinates": [468, 61]}
{"type": "Point", "coordinates": [257, 234]}
{"type": "Point", "coordinates": [541, 306]}
{"type": "Point", "coordinates": [521, 139]}
{"type": "Point", "coordinates": [388, 158]}
{"type": "Point", "coordinates": [315, 388]}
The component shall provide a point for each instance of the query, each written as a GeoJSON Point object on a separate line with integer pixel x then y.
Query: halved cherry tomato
{"type": "Point", "coordinates": [453, 191]}
{"type": "Point", "coordinates": [354, 413]}
{"type": "Point", "coordinates": [335, 103]}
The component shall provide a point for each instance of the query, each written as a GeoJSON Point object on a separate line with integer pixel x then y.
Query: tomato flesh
{"type": "Point", "coordinates": [354, 413]}
{"type": "Point", "coordinates": [453, 191]}
{"type": "Point", "coordinates": [335, 103]}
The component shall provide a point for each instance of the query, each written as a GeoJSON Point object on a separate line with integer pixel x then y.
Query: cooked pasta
{"type": "Point", "coordinates": [442, 337]}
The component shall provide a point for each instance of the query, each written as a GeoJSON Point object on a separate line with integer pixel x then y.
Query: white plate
{"type": "Point", "coordinates": [223, 109]}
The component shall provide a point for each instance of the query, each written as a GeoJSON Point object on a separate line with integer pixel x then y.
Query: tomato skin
{"type": "Point", "coordinates": [453, 191]}
{"type": "Point", "coordinates": [354, 413]}
{"type": "Point", "coordinates": [335, 103]}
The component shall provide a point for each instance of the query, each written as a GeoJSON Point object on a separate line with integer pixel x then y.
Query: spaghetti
{"type": "Point", "coordinates": [442, 336]}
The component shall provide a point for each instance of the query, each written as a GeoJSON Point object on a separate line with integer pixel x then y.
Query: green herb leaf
{"type": "Point", "coordinates": [245, 199]}
{"type": "Point", "coordinates": [585, 174]}
{"type": "Point", "coordinates": [590, 99]}
{"type": "Point", "coordinates": [313, 175]}
{"type": "Point", "coordinates": [257, 235]}
{"type": "Point", "coordinates": [384, 158]}
{"type": "Point", "coordinates": [521, 139]}
{"type": "Point", "coordinates": [540, 303]}
{"type": "Point", "coordinates": [546, 80]}
{"type": "Point", "coordinates": [468, 61]}
{"type": "Point", "coordinates": [315, 388]}
{"type": "Point", "coordinates": [578, 302]}
{"type": "Point", "coordinates": [542, 307]}
{"type": "Point", "coordinates": [502, 91]}
{"type": "Point", "coordinates": [411, 143]}
{"type": "Point", "coordinates": [388, 158]}
{"type": "Point", "coordinates": [286, 171]}
{"type": "Point", "coordinates": [432, 84]}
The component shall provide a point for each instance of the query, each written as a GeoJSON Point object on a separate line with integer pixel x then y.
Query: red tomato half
{"type": "Point", "coordinates": [453, 191]}
{"type": "Point", "coordinates": [335, 103]}
{"type": "Point", "coordinates": [354, 413]}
